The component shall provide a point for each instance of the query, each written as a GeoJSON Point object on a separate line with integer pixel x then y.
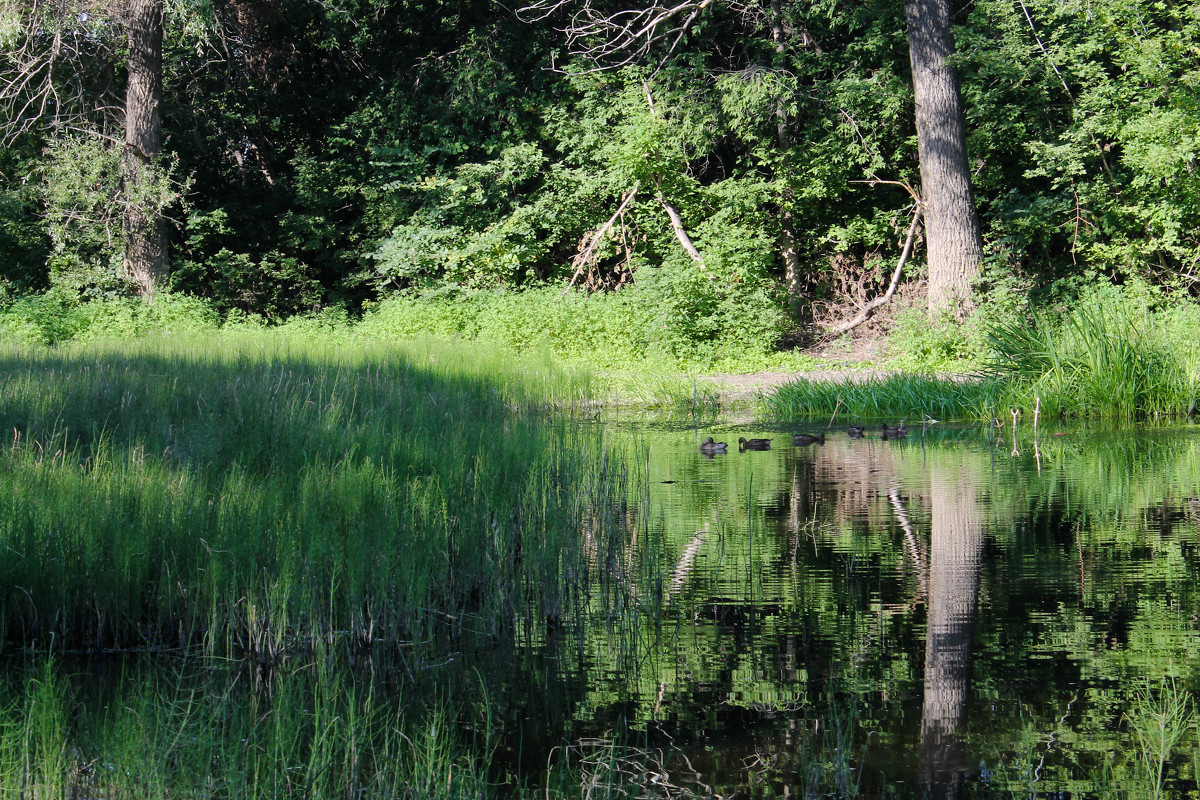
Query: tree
{"type": "Point", "coordinates": [608, 38]}
{"type": "Point", "coordinates": [953, 243]}
{"type": "Point", "coordinates": [144, 227]}
{"type": "Point", "coordinates": [57, 78]}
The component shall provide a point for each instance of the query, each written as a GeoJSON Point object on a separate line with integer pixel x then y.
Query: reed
{"type": "Point", "coordinates": [253, 500]}
{"type": "Point", "coordinates": [910, 397]}
{"type": "Point", "coordinates": [1100, 359]}
{"type": "Point", "coordinates": [1158, 721]}
{"type": "Point", "coordinates": [272, 517]}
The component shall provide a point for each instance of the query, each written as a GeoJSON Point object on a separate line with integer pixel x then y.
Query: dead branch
{"type": "Point", "coordinates": [840, 328]}
{"type": "Point", "coordinates": [681, 233]}
{"type": "Point", "coordinates": [610, 40]}
{"type": "Point", "coordinates": [586, 255]}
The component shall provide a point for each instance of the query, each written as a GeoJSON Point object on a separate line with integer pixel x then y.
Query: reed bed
{"type": "Point", "coordinates": [910, 397]}
{"type": "Point", "coordinates": [309, 557]}
{"type": "Point", "coordinates": [1100, 360]}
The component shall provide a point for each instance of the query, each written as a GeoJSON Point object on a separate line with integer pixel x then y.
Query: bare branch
{"type": "Point", "coordinates": [610, 40]}
{"type": "Point", "coordinates": [840, 328]}
{"type": "Point", "coordinates": [586, 255]}
{"type": "Point", "coordinates": [681, 233]}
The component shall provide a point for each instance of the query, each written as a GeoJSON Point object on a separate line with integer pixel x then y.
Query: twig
{"type": "Point", "coordinates": [585, 256]}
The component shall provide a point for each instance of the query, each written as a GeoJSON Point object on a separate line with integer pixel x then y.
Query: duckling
{"type": "Point", "coordinates": [708, 446]}
{"type": "Point", "coordinates": [898, 432]}
{"type": "Point", "coordinates": [753, 444]}
{"type": "Point", "coordinates": [801, 439]}
{"type": "Point", "coordinates": [855, 432]}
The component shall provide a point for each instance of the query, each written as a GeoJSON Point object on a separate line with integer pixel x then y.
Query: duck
{"type": "Point", "coordinates": [754, 444]}
{"type": "Point", "coordinates": [897, 432]}
{"type": "Point", "coordinates": [801, 439]}
{"type": "Point", "coordinates": [856, 432]}
{"type": "Point", "coordinates": [708, 446]}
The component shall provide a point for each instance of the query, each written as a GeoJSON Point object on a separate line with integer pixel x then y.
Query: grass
{"type": "Point", "coordinates": [1098, 360]}
{"type": "Point", "coordinates": [908, 397]}
{"type": "Point", "coordinates": [292, 512]}
{"type": "Point", "coordinates": [246, 501]}
{"type": "Point", "coordinates": [1158, 720]}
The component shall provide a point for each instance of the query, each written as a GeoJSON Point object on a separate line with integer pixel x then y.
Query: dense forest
{"type": "Point", "coordinates": [748, 169]}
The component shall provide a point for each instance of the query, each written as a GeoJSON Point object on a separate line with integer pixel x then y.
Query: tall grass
{"type": "Point", "coordinates": [288, 515]}
{"type": "Point", "coordinates": [1103, 358]}
{"type": "Point", "coordinates": [250, 502]}
{"type": "Point", "coordinates": [892, 398]}
{"type": "Point", "coordinates": [1100, 359]}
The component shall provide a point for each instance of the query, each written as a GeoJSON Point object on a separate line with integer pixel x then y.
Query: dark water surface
{"type": "Point", "coordinates": [951, 614]}
{"type": "Point", "coordinates": [959, 613]}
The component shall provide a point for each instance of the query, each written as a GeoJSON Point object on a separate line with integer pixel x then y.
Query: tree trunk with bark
{"type": "Point", "coordinates": [144, 227]}
{"type": "Point", "coordinates": [952, 237]}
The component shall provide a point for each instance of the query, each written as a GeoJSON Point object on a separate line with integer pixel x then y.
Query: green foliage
{"type": "Point", "coordinates": [272, 284]}
{"type": "Point", "coordinates": [909, 397]}
{"type": "Point", "coordinates": [1085, 134]}
{"type": "Point", "coordinates": [59, 316]}
{"type": "Point", "coordinates": [1108, 353]}
{"type": "Point", "coordinates": [678, 313]}
{"type": "Point", "coordinates": [82, 191]}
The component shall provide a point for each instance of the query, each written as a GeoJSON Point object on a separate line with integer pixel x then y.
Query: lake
{"type": "Point", "coordinates": [963, 612]}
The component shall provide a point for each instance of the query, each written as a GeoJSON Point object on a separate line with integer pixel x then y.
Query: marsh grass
{"type": "Point", "coordinates": [1158, 721]}
{"type": "Point", "coordinates": [910, 397]}
{"type": "Point", "coordinates": [251, 502]}
{"type": "Point", "coordinates": [274, 517]}
{"type": "Point", "coordinates": [1100, 359]}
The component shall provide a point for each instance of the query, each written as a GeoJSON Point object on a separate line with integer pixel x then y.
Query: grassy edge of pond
{"type": "Point", "coordinates": [303, 526]}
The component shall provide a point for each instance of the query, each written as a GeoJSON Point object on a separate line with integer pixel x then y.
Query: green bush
{"type": "Point", "coordinates": [676, 312]}
{"type": "Point", "coordinates": [58, 316]}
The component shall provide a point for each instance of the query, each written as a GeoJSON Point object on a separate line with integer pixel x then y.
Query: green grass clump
{"type": "Point", "coordinates": [257, 499]}
{"type": "Point", "coordinates": [910, 397]}
{"type": "Point", "coordinates": [1101, 359]}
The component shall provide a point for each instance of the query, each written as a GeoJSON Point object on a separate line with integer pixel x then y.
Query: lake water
{"type": "Point", "coordinates": [963, 612]}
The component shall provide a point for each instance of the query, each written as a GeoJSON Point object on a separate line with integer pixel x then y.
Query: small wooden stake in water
{"type": "Point", "coordinates": [1037, 409]}
{"type": "Point", "coordinates": [836, 406]}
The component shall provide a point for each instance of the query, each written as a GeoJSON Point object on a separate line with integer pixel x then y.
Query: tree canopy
{"type": "Point", "coordinates": [320, 154]}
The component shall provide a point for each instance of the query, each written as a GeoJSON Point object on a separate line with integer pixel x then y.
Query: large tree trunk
{"type": "Point", "coordinates": [952, 235]}
{"type": "Point", "coordinates": [144, 227]}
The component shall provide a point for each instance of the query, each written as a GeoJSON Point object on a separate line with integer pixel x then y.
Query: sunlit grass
{"type": "Point", "coordinates": [913, 398]}
{"type": "Point", "coordinates": [1100, 359]}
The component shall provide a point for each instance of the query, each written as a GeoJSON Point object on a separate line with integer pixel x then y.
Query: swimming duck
{"type": "Point", "coordinates": [754, 444]}
{"type": "Point", "coordinates": [801, 439]}
{"type": "Point", "coordinates": [708, 446]}
{"type": "Point", "coordinates": [855, 432]}
{"type": "Point", "coordinates": [897, 432]}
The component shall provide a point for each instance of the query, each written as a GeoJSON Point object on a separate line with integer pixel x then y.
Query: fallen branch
{"type": "Point", "coordinates": [585, 255]}
{"type": "Point", "coordinates": [842, 327]}
{"type": "Point", "coordinates": [680, 232]}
